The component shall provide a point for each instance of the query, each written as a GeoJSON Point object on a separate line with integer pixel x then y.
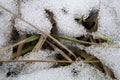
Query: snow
{"type": "Point", "coordinates": [65, 12]}
{"type": "Point", "coordinates": [74, 72]}
{"type": "Point", "coordinates": [109, 19]}
{"type": "Point", "coordinates": [108, 56]}
{"type": "Point", "coordinates": [5, 25]}
{"type": "Point", "coordinates": [5, 18]}
{"type": "Point", "coordinates": [33, 11]}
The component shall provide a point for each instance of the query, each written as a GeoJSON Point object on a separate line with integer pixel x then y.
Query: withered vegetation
{"type": "Point", "coordinates": [35, 42]}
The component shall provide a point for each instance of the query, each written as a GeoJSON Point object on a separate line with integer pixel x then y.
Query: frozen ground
{"type": "Point", "coordinates": [65, 12]}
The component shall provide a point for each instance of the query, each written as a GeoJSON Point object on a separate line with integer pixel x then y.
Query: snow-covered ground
{"type": "Point", "coordinates": [65, 12]}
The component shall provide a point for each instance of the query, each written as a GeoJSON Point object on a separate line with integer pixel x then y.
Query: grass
{"type": "Point", "coordinates": [58, 61]}
{"type": "Point", "coordinates": [54, 37]}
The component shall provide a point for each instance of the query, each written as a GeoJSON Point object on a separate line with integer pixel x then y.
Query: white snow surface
{"type": "Point", "coordinates": [74, 72]}
{"type": "Point", "coordinates": [33, 11]}
{"type": "Point", "coordinates": [65, 12]}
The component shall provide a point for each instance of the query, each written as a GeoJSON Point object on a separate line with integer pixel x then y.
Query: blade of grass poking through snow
{"type": "Point", "coordinates": [29, 39]}
{"type": "Point", "coordinates": [102, 37]}
{"type": "Point", "coordinates": [84, 42]}
{"type": "Point", "coordinates": [91, 22]}
{"type": "Point", "coordinates": [38, 30]}
{"type": "Point", "coordinates": [71, 39]}
{"type": "Point", "coordinates": [24, 51]}
{"type": "Point", "coordinates": [80, 20]}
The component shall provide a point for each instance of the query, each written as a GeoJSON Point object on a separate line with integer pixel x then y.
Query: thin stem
{"type": "Point", "coordinates": [84, 42]}
{"type": "Point", "coordinates": [61, 52]}
{"type": "Point", "coordinates": [59, 61]}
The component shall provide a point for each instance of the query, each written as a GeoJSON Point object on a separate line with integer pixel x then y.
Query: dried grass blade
{"type": "Point", "coordinates": [61, 52]}
{"type": "Point", "coordinates": [101, 37]}
{"type": "Point", "coordinates": [40, 43]}
{"type": "Point", "coordinates": [59, 61]}
{"type": "Point", "coordinates": [108, 72]}
{"type": "Point", "coordinates": [20, 46]}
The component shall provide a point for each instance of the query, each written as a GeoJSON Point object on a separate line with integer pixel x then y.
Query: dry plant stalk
{"type": "Point", "coordinates": [61, 52]}
{"type": "Point", "coordinates": [20, 46]}
{"type": "Point", "coordinates": [40, 43]}
{"type": "Point", "coordinates": [108, 71]}
{"type": "Point", "coordinates": [59, 61]}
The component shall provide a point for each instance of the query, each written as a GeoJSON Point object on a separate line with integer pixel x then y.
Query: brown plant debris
{"type": "Point", "coordinates": [91, 22]}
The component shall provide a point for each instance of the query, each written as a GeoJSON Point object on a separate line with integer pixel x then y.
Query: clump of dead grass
{"type": "Point", "coordinates": [65, 55]}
